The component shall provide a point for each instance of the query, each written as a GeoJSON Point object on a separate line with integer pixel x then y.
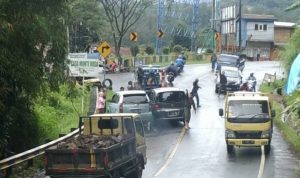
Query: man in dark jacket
{"type": "Point", "coordinates": [195, 91]}
{"type": "Point", "coordinates": [189, 103]}
{"type": "Point", "coordinates": [223, 82]}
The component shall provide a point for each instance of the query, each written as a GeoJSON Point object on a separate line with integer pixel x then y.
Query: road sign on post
{"type": "Point", "coordinates": [133, 36]}
{"type": "Point", "coordinates": [104, 49]}
{"type": "Point", "coordinates": [160, 33]}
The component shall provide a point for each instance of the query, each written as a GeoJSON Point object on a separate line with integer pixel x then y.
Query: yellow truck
{"type": "Point", "coordinates": [108, 146]}
{"type": "Point", "coordinates": [248, 120]}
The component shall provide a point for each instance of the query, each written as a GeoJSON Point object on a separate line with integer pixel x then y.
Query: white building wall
{"type": "Point", "coordinates": [260, 34]}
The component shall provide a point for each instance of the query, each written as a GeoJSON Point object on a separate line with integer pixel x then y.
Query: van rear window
{"type": "Point", "coordinates": [135, 99]}
{"type": "Point", "coordinates": [171, 97]}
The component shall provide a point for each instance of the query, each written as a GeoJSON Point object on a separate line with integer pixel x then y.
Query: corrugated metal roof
{"type": "Point", "coordinates": [284, 24]}
{"type": "Point", "coordinates": [258, 17]}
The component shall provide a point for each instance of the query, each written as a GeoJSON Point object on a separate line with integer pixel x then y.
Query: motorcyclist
{"type": "Point", "coordinates": [171, 68]}
{"type": "Point", "coordinates": [179, 63]}
{"type": "Point", "coordinates": [252, 78]}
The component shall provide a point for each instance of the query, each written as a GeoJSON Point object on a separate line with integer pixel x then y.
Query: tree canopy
{"type": "Point", "coordinates": [33, 47]}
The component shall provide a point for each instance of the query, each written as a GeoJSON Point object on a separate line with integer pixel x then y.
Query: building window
{"type": "Point", "coordinates": [260, 27]}
{"type": "Point", "coordinates": [265, 27]}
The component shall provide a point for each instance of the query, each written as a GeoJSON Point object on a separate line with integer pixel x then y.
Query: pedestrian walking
{"type": "Point", "coordinates": [195, 91]}
{"type": "Point", "coordinates": [100, 105]}
{"type": "Point", "coordinates": [213, 61]}
{"type": "Point", "coordinates": [189, 103]}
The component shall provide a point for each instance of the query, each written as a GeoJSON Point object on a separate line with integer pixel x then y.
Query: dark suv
{"type": "Point", "coordinates": [230, 60]}
{"type": "Point", "coordinates": [167, 103]}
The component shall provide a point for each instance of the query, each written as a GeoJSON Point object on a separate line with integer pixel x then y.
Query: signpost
{"type": "Point", "coordinates": [104, 49]}
{"type": "Point", "coordinates": [160, 33]}
{"type": "Point", "coordinates": [133, 36]}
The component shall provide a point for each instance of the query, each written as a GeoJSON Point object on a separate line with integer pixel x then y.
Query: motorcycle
{"type": "Point", "coordinates": [170, 77]}
{"type": "Point", "coordinates": [251, 85]}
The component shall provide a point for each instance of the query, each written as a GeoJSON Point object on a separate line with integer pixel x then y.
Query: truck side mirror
{"type": "Point", "coordinates": [221, 112]}
{"type": "Point", "coordinates": [273, 113]}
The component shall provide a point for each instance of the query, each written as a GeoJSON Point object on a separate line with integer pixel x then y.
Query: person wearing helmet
{"type": "Point", "coordinates": [253, 79]}
{"type": "Point", "coordinates": [195, 91]}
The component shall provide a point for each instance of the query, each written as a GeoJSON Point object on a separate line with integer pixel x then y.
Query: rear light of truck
{"type": "Point", "coordinates": [105, 160]}
{"type": "Point", "coordinates": [121, 108]}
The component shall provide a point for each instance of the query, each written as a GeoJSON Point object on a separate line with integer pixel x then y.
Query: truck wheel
{"type": "Point", "coordinates": [229, 149]}
{"type": "Point", "coordinates": [138, 169]}
{"type": "Point", "coordinates": [267, 149]}
{"type": "Point", "coordinates": [116, 174]}
{"type": "Point", "coordinates": [216, 89]}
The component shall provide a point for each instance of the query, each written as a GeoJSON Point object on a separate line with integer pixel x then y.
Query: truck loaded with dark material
{"type": "Point", "coordinates": [108, 146]}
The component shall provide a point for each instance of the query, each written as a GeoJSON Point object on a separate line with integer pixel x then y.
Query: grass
{"type": "Point", "coordinates": [289, 133]}
{"type": "Point", "coordinates": [57, 114]}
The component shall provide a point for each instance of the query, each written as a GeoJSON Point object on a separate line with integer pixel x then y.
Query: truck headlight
{"type": "Point", "coordinates": [229, 134]}
{"type": "Point", "coordinates": [265, 134]}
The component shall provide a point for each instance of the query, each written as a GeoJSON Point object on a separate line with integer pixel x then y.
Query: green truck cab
{"type": "Point", "coordinates": [108, 146]}
{"type": "Point", "coordinates": [248, 120]}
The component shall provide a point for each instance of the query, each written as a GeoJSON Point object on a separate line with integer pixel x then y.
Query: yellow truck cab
{"type": "Point", "coordinates": [248, 120]}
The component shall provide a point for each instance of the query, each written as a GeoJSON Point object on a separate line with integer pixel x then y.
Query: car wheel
{"type": "Point", "coordinates": [216, 89]}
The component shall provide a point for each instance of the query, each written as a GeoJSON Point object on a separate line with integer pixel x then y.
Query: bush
{"type": "Point", "coordinates": [166, 50]}
{"type": "Point", "coordinates": [177, 48]}
{"type": "Point", "coordinates": [149, 50]}
{"type": "Point", "coordinates": [134, 50]}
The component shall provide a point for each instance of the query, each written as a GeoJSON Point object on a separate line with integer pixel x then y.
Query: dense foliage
{"type": "Point", "coordinates": [291, 50]}
{"type": "Point", "coordinates": [33, 46]}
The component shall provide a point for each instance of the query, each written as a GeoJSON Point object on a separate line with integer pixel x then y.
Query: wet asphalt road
{"type": "Point", "coordinates": [201, 151]}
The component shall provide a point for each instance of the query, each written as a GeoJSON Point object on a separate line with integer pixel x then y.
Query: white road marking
{"type": "Point", "coordinates": [262, 163]}
{"type": "Point", "coordinates": [170, 157]}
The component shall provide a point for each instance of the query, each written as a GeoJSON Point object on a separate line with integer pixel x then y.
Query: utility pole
{"type": "Point", "coordinates": [160, 14]}
{"type": "Point", "coordinates": [240, 25]}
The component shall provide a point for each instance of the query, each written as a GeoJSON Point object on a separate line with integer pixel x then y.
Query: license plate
{"type": "Point", "coordinates": [173, 113]}
{"type": "Point", "coordinates": [248, 142]}
{"type": "Point", "coordinates": [136, 111]}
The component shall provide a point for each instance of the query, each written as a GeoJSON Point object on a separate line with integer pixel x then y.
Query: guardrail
{"type": "Point", "coordinates": [32, 153]}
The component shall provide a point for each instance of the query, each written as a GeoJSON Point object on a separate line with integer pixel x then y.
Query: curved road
{"type": "Point", "coordinates": [201, 151]}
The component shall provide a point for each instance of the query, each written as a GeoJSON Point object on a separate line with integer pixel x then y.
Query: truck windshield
{"type": "Point", "coordinates": [248, 111]}
{"type": "Point", "coordinates": [228, 60]}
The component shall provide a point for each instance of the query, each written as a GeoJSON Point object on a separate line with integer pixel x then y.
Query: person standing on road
{"type": "Point", "coordinates": [189, 103]}
{"type": "Point", "coordinates": [195, 91]}
{"type": "Point", "coordinates": [213, 61]}
{"type": "Point", "coordinates": [100, 105]}
{"type": "Point", "coordinates": [223, 82]}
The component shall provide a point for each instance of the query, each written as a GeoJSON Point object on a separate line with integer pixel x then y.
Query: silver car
{"type": "Point", "coordinates": [131, 101]}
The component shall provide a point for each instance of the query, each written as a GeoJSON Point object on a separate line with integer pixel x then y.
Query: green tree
{"type": "Point", "coordinates": [294, 6]}
{"type": "Point", "coordinates": [122, 15]}
{"type": "Point", "coordinates": [134, 50]}
{"type": "Point", "coordinates": [177, 48]}
{"type": "Point", "coordinates": [87, 24]}
{"type": "Point", "coordinates": [32, 34]}
{"type": "Point", "coordinates": [149, 50]}
{"type": "Point", "coordinates": [166, 50]}
{"type": "Point", "coordinates": [291, 50]}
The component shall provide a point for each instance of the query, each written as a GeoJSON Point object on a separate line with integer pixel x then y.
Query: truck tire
{"type": "Point", "coordinates": [138, 169]}
{"type": "Point", "coordinates": [267, 149]}
{"type": "Point", "coordinates": [229, 149]}
{"type": "Point", "coordinates": [116, 174]}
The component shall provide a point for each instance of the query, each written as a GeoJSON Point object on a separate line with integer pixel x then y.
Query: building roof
{"type": "Point", "coordinates": [285, 24]}
{"type": "Point", "coordinates": [258, 17]}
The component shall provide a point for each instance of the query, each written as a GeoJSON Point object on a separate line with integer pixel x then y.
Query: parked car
{"type": "Point", "coordinates": [131, 101]}
{"type": "Point", "coordinates": [234, 79]}
{"type": "Point", "coordinates": [167, 103]}
{"type": "Point", "coordinates": [230, 60]}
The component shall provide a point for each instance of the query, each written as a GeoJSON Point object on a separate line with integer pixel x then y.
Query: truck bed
{"type": "Point", "coordinates": [89, 162]}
